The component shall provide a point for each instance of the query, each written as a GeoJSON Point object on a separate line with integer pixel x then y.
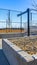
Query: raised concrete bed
{"type": "Point", "coordinates": [17, 56]}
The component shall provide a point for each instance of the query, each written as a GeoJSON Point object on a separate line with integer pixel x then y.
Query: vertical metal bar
{"type": "Point", "coordinates": [30, 22]}
{"type": "Point", "coordinates": [21, 23]}
{"type": "Point", "coordinates": [31, 16]}
{"type": "Point", "coordinates": [6, 26]}
{"type": "Point", "coordinates": [28, 10]}
{"type": "Point", "coordinates": [9, 19]}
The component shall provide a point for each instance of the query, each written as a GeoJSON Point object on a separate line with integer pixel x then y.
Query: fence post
{"type": "Point", "coordinates": [9, 19]}
{"type": "Point", "coordinates": [21, 23]}
{"type": "Point", "coordinates": [28, 11]}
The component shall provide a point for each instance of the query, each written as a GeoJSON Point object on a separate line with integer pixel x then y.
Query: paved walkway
{"type": "Point", "coordinates": [3, 60]}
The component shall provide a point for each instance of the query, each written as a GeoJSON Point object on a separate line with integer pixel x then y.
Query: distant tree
{"type": "Point", "coordinates": [34, 4]}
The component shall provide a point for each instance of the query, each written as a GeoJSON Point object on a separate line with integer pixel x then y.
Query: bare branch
{"type": "Point", "coordinates": [34, 4]}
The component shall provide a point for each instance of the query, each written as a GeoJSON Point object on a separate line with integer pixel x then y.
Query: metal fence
{"type": "Point", "coordinates": [12, 21]}
{"type": "Point", "coordinates": [9, 22]}
{"type": "Point", "coordinates": [31, 21]}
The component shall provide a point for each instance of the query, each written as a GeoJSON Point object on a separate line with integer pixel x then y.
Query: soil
{"type": "Point", "coordinates": [11, 30]}
{"type": "Point", "coordinates": [28, 44]}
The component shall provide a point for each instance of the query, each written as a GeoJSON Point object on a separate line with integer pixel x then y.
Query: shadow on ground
{"type": "Point", "coordinates": [3, 60]}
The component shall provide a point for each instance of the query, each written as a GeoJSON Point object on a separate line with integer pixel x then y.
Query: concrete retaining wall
{"type": "Point", "coordinates": [8, 35]}
{"type": "Point", "coordinates": [15, 55]}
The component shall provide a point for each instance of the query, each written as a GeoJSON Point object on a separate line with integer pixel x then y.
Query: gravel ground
{"type": "Point", "coordinates": [28, 44]}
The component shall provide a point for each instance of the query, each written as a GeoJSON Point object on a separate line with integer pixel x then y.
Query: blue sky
{"type": "Point", "coordinates": [20, 5]}
{"type": "Point", "coordinates": [16, 4]}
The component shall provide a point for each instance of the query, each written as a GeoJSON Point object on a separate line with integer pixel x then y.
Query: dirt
{"type": "Point", "coordinates": [28, 44]}
{"type": "Point", "coordinates": [10, 30]}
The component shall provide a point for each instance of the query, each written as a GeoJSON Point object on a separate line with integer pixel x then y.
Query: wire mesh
{"type": "Point", "coordinates": [9, 22]}
{"type": "Point", "coordinates": [33, 22]}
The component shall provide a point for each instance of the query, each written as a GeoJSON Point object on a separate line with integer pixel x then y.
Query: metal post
{"type": "Point", "coordinates": [9, 19]}
{"type": "Point", "coordinates": [28, 10]}
{"type": "Point", "coordinates": [21, 23]}
{"type": "Point", "coordinates": [31, 16]}
{"type": "Point", "coordinates": [6, 26]}
{"type": "Point", "coordinates": [31, 19]}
